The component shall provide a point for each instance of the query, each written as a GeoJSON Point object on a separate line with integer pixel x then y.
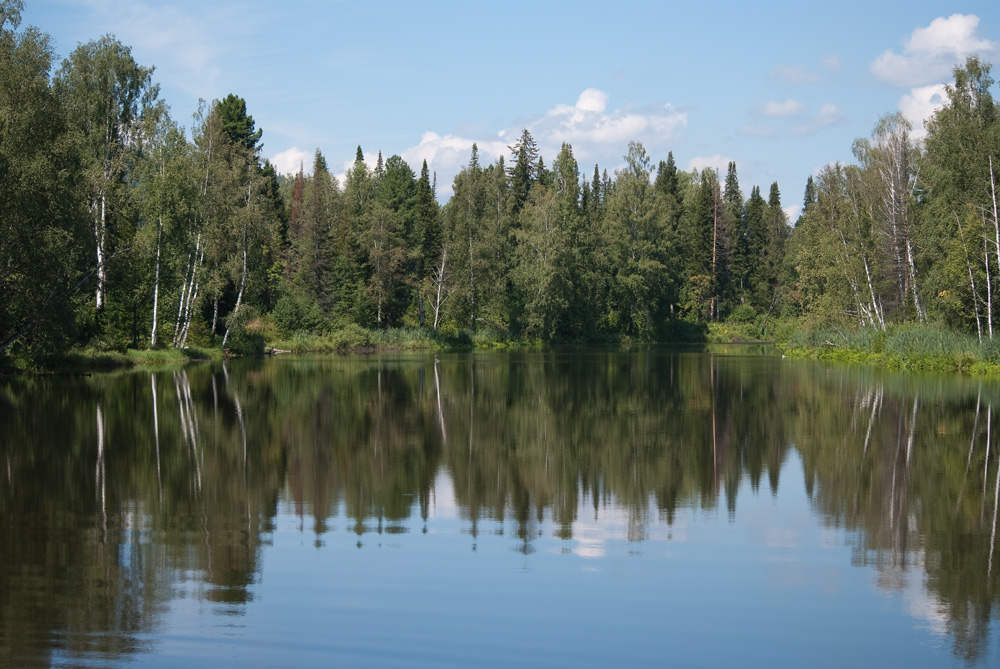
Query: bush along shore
{"type": "Point", "coordinates": [910, 347]}
{"type": "Point", "coordinates": [904, 347]}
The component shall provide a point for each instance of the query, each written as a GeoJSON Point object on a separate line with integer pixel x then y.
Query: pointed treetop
{"type": "Point", "coordinates": [666, 176]}
{"type": "Point", "coordinates": [359, 157]}
{"type": "Point", "coordinates": [774, 198]}
{"type": "Point", "coordinates": [319, 163]}
{"type": "Point", "coordinates": [237, 123]}
{"type": "Point", "coordinates": [809, 199]}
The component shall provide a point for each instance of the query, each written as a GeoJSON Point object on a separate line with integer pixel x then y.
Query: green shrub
{"type": "Point", "coordinates": [294, 313]}
{"type": "Point", "coordinates": [744, 313]}
{"type": "Point", "coordinates": [245, 336]}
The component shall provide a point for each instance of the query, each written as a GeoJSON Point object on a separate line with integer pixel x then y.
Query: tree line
{"type": "Point", "coordinates": [124, 229]}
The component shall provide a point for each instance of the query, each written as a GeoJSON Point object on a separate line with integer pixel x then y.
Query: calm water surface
{"type": "Point", "coordinates": [645, 508]}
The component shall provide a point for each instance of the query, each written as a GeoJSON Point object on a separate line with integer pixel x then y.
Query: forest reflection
{"type": "Point", "coordinates": [122, 492]}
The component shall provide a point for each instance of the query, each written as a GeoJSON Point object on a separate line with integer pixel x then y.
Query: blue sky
{"type": "Point", "coordinates": [782, 88]}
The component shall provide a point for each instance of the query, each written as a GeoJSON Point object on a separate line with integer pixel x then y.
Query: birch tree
{"type": "Point", "coordinates": [169, 195]}
{"type": "Point", "coordinates": [960, 177]}
{"type": "Point", "coordinates": [888, 161]}
{"type": "Point", "coordinates": [43, 223]}
{"type": "Point", "coordinates": [107, 94]}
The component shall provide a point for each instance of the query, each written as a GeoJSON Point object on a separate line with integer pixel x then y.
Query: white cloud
{"type": "Point", "coordinates": [168, 34]}
{"type": "Point", "coordinates": [930, 53]}
{"type": "Point", "coordinates": [588, 125]}
{"type": "Point", "coordinates": [792, 213]}
{"type": "Point", "coordinates": [955, 34]}
{"type": "Point", "coordinates": [786, 108]}
{"type": "Point", "coordinates": [592, 100]}
{"type": "Point", "coordinates": [451, 153]}
{"type": "Point", "coordinates": [589, 122]}
{"type": "Point", "coordinates": [447, 155]}
{"type": "Point", "coordinates": [716, 162]}
{"type": "Point", "coordinates": [828, 115]}
{"type": "Point", "coordinates": [831, 62]}
{"type": "Point", "coordinates": [795, 74]}
{"type": "Point", "coordinates": [920, 104]}
{"type": "Point", "coordinates": [290, 160]}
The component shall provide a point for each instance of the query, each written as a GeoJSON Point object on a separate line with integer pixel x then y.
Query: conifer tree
{"type": "Point", "coordinates": [314, 246]}
{"type": "Point", "coordinates": [523, 171]}
{"type": "Point", "coordinates": [735, 280]}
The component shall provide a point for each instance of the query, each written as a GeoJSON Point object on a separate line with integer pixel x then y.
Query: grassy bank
{"type": "Point", "coordinates": [356, 339]}
{"type": "Point", "coordinates": [903, 347]}
{"type": "Point", "coordinates": [908, 347]}
{"type": "Point", "coordinates": [79, 361]}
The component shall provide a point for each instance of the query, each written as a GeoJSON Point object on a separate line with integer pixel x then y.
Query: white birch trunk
{"type": "Point", "coordinates": [989, 288]}
{"type": "Point", "coordinates": [99, 236]}
{"type": "Point", "coordinates": [972, 281]}
{"type": "Point", "coordinates": [996, 230]}
{"type": "Point", "coordinates": [239, 295]}
{"type": "Point", "coordinates": [243, 272]}
{"type": "Point", "coordinates": [440, 278]}
{"type": "Point", "coordinates": [180, 304]}
{"type": "Point", "coordinates": [876, 307]}
{"type": "Point", "coordinates": [156, 283]}
{"type": "Point", "coordinates": [921, 315]}
{"type": "Point", "coordinates": [192, 297]}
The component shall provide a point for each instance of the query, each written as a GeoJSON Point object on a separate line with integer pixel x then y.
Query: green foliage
{"type": "Point", "coordinates": [43, 249]}
{"type": "Point", "coordinates": [245, 328]}
{"type": "Point", "coordinates": [163, 231]}
{"type": "Point", "coordinates": [294, 313]}
{"type": "Point", "coordinates": [237, 125]}
{"type": "Point", "coordinates": [744, 313]}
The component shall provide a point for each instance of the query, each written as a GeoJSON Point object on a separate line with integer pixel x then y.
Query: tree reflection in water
{"type": "Point", "coordinates": [118, 495]}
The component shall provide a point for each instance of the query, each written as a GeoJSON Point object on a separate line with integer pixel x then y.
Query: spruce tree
{"type": "Point", "coordinates": [523, 172]}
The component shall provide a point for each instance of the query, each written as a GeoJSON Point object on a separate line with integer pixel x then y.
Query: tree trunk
{"type": "Point", "coordinates": [440, 278]}
{"type": "Point", "coordinates": [156, 283]}
{"type": "Point", "coordinates": [100, 219]}
{"type": "Point", "coordinates": [239, 295]}
{"type": "Point", "coordinates": [989, 287]}
{"type": "Point", "coordinates": [972, 280]}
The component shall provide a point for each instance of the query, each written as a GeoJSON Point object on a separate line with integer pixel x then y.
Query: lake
{"type": "Point", "coordinates": [706, 507]}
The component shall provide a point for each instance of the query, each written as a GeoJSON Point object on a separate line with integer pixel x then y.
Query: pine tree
{"type": "Point", "coordinates": [778, 231]}
{"type": "Point", "coordinates": [237, 125]}
{"type": "Point", "coordinates": [757, 276]}
{"type": "Point", "coordinates": [735, 282]}
{"type": "Point", "coordinates": [523, 172]}
{"type": "Point", "coordinates": [809, 197]}
{"type": "Point", "coordinates": [431, 238]}
{"type": "Point", "coordinates": [314, 246]}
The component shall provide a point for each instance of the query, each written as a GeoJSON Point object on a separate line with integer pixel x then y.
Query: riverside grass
{"type": "Point", "coordinates": [911, 347]}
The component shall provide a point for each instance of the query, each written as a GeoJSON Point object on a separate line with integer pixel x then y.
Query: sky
{"type": "Point", "coordinates": [780, 88]}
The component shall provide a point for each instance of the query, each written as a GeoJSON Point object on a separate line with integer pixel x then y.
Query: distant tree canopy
{"type": "Point", "coordinates": [196, 240]}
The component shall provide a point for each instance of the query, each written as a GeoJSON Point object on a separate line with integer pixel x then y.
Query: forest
{"type": "Point", "coordinates": [124, 230]}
